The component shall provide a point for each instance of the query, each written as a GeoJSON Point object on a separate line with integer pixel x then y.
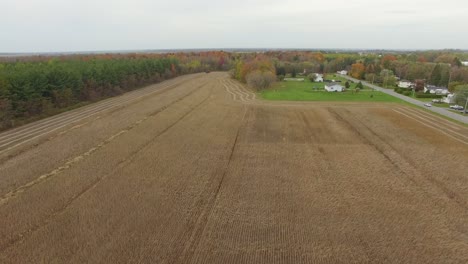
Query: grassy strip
{"type": "Point", "coordinates": [308, 91]}
{"type": "Point", "coordinates": [434, 113]}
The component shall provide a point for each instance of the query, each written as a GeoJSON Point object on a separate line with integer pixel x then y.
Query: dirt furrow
{"type": "Point", "coordinates": [205, 173]}
{"type": "Point", "coordinates": [96, 181]}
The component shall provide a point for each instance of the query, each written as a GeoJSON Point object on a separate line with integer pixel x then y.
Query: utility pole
{"type": "Point", "coordinates": [466, 105]}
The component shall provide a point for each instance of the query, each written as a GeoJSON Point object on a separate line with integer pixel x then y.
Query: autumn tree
{"type": "Point", "coordinates": [260, 80]}
{"type": "Point", "coordinates": [419, 85]}
{"type": "Point", "coordinates": [256, 72]}
{"type": "Point", "coordinates": [422, 59]}
{"type": "Point", "coordinates": [358, 70]}
{"type": "Point", "coordinates": [459, 74]}
{"type": "Point", "coordinates": [387, 59]}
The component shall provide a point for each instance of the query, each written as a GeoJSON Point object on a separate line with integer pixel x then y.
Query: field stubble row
{"type": "Point", "coordinates": [218, 176]}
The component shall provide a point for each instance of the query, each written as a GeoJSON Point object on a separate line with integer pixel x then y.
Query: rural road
{"type": "Point", "coordinates": [199, 170]}
{"type": "Point", "coordinates": [438, 110]}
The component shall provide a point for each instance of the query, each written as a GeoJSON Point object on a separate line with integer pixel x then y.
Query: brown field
{"type": "Point", "coordinates": [204, 172]}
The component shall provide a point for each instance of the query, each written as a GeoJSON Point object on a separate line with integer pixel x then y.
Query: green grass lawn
{"type": "Point", "coordinates": [308, 91]}
{"type": "Point", "coordinates": [336, 78]}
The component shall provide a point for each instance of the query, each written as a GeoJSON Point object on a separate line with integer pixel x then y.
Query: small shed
{"type": "Point", "coordinates": [318, 77]}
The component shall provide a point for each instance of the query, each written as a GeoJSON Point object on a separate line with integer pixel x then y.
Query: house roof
{"type": "Point", "coordinates": [433, 87]}
{"type": "Point", "coordinates": [333, 84]}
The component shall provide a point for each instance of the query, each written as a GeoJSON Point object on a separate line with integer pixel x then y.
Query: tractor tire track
{"type": "Point", "coordinates": [12, 139]}
{"type": "Point", "coordinates": [122, 163]}
{"type": "Point", "coordinates": [398, 161]}
{"type": "Point", "coordinates": [72, 161]}
{"type": "Point", "coordinates": [199, 226]}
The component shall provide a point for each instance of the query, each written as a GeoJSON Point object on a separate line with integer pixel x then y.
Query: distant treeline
{"type": "Point", "coordinates": [36, 86]}
{"type": "Point", "coordinates": [440, 68]}
{"type": "Point", "coordinates": [40, 86]}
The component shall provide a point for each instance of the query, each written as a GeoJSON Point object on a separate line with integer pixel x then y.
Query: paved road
{"type": "Point", "coordinates": [442, 111]}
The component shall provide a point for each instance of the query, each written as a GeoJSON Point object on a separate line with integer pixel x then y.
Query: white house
{"type": "Point", "coordinates": [343, 72]}
{"type": "Point", "coordinates": [334, 87]}
{"type": "Point", "coordinates": [318, 77]}
{"type": "Point", "coordinates": [464, 63]}
{"type": "Point", "coordinates": [405, 84]}
{"type": "Point", "coordinates": [449, 99]}
{"type": "Point", "coordinates": [435, 90]}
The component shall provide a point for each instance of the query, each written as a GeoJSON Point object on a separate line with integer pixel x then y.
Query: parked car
{"type": "Point", "coordinates": [456, 107]}
{"type": "Point", "coordinates": [427, 105]}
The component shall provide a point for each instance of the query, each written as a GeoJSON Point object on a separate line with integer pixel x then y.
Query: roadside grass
{"type": "Point", "coordinates": [310, 91]}
{"type": "Point", "coordinates": [429, 100]}
{"type": "Point", "coordinates": [426, 109]}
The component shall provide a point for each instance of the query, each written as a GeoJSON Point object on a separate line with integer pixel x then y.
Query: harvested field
{"type": "Point", "coordinates": [204, 172]}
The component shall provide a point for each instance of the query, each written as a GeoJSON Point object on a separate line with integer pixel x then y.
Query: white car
{"type": "Point", "coordinates": [427, 105]}
{"type": "Point", "coordinates": [456, 107]}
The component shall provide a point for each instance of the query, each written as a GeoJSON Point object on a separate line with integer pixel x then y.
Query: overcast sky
{"type": "Point", "coordinates": [87, 25]}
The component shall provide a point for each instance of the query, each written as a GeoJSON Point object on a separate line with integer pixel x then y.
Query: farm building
{"type": "Point", "coordinates": [405, 84]}
{"type": "Point", "coordinates": [343, 72]}
{"type": "Point", "coordinates": [318, 77]}
{"type": "Point", "coordinates": [334, 87]}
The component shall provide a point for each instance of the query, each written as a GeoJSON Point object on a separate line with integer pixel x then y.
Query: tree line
{"type": "Point", "coordinates": [36, 86]}
{"type": "Point", "coordinates": [39, 86]}
{"type": "Point", "coordinates": [436, 68]}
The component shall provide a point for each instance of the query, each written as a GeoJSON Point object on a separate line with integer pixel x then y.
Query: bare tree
{"type": "Point", "coordinates": [260, 80]}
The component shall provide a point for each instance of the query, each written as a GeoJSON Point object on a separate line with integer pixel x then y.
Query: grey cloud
{"type": "Point", "coordinates": [79, 25]}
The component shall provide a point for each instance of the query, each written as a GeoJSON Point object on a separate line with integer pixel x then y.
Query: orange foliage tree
{"type": "Point", "coordinates": [259, 71]}
{"type": "Point", "coordinates": [387, 59]}
{"type": "Point", "coordinates": [358, 70]}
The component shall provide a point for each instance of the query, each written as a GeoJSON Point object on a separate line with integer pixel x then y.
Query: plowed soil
{"type": "Point", "coordinates": [207, 173]}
